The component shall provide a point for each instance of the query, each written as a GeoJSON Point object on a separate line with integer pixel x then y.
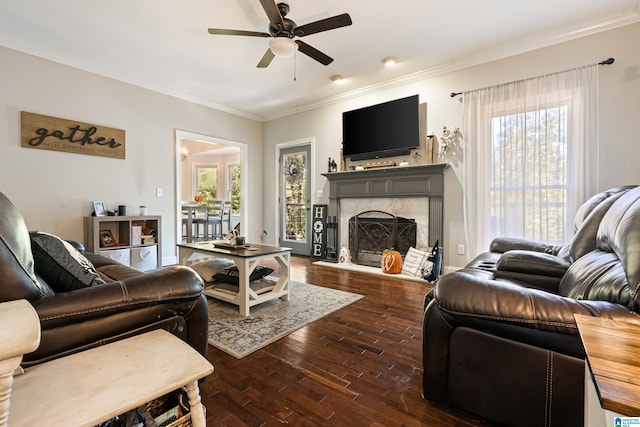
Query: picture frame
{"type": "Point", "coordinates": [106, 239]}
{"type": "Point", "coordinates": [99, 209]}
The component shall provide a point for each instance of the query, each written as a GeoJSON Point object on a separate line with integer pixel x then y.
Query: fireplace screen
{"type": "Point", "coordinates": [371, 232]}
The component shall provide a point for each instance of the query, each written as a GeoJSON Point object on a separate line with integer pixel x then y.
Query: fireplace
{"type": "Point", "coordinates": [415, 192]}
{"type": "Point", "coordinates": [371, 232]}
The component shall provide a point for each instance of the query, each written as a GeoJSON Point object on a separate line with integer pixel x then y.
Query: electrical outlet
{"type": "Point", "coordinates": [159, 192]}
{"type": "Point", "coordinates": [460, 249]}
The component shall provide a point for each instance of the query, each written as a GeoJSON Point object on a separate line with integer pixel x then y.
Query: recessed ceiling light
{"type": "Point", "coordinates": [336, 78]}
{"type": "Point", "coordinates": [389, 61]}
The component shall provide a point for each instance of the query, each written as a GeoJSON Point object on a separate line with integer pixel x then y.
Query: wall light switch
{"type": "Point", "coordinates": [159, 192]}
{"type": "Point", "coordinates": [460, 249]}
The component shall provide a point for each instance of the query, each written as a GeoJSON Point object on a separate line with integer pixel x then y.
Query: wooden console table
{"type": "Point", "coordinates": [612, 369]}
{"type": "Point", "coordinates": [87, 388]}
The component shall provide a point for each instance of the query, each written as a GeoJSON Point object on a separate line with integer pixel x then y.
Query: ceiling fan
{"type": "Point", "coordinates": [283, 30]}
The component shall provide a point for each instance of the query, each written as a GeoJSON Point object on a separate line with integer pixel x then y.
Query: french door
{"type": "Point", "coordinates": [295, 199]}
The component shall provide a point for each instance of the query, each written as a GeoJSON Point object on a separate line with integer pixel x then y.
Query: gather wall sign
{"type": "Point", "coordinates": [70, 136]}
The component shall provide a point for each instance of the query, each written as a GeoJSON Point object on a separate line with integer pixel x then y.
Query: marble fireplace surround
{"type": "Point", "coordinates": [415, 192]}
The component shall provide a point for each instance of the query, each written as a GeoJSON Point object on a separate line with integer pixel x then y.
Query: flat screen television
{"type": "Point", "coordinates": [383, 130]}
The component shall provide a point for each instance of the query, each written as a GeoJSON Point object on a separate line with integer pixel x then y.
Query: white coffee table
{"type": "Point", "coordinates": [246, 258]}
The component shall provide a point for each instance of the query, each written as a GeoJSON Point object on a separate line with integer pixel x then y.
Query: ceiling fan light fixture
{"type": "Point", "coordinates": [389, 61]}
{"type": "Point", "coordinates": [282, 47]}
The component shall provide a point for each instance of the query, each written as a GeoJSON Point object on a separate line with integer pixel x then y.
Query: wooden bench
{"type": "Point", "coordinates": [87, 388]}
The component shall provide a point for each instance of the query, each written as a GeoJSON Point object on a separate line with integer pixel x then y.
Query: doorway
{"type": "Point", "coordinates": [213, 168]}
{"type": "Point", "coordinates": [295, 198]}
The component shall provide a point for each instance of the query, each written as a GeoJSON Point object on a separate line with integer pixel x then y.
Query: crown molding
{"type": "Point", "coordinates": [495, 53]}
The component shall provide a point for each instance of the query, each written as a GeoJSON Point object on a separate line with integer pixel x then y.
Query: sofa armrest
{"type": "Point", "coordinates": [470, 298]}
{"type": "Point", "coordinates": [159, 287]}
{"type": "Point", "coordinates": [537, 269]}
{"type": "Point", "coordinates": [504, 244]}
{"type": "Point", "coordinates": [535, 263]}
{"type": "Point", "coordinates": [169, 299]}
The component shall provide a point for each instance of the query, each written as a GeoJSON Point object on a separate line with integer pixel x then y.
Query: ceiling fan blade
{"type": "Point", "coordinates": [314, 53]}
{"type": "Point", "coordinates": [337, 21]}
{"type": "Point", "coordinates": [266, 59]}
{"type": "Point", "coordinates": [238, 33]}
{"type": "Point", "coordinates": [273, 13]}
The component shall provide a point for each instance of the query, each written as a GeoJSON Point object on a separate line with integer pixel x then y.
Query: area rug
{"type": "Point", "coordinates": [240, 336]}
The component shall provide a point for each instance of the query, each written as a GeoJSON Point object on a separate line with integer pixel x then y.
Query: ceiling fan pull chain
{"type": "Point", "coordinates": [295, 68]}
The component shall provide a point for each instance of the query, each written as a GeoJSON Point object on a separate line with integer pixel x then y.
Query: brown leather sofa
{"type": "Point", "coordinates": [83, 304]}
{"type": "Point", "coordinates": [500, 339]}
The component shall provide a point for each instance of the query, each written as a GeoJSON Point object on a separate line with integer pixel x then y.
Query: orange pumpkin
{"type": "Point", "coordinates": [391, 261]}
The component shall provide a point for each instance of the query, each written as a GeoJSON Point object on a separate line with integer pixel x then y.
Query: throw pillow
{"type": "Point", "coordinates": [259, 286]}
{"type": "Point", "coordinates": [61, 265]}
{"type": "Point", "coordinates": [232, 275]}
{"type": "Point", "coordinates": [207, 269]}
{"type": "Point", "coordinates": [415, 262]}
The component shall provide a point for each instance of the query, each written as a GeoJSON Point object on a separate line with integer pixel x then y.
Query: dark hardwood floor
{"type": "Point", "coordinates": [359, 366]}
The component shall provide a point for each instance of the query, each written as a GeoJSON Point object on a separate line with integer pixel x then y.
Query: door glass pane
{"type": "Point", "coordinates": [206, 182]}
{"type": "Point", "coordinates": [294, 169]}
{"type": "Point", "coordinates": [234, 172]}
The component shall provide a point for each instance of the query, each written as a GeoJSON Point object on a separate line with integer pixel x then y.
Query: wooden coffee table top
{"type": "Point", "coordinates": [612, 348]}
{"type": "Point", "coordinates": [247, 251]}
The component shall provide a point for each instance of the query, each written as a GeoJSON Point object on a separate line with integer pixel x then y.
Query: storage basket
{"type": "Point", "coordinates": [161, 405]}
{"type": "Point", "coordinates": [147, 414]}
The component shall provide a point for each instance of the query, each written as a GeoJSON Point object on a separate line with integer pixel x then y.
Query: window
{"type": "Point", "coordinates": [207, 182]}
{"type": "Point", "coordinates": [528, 196]}
{"type": "Point", "coordinates": [530, 157]}
{"type": "Point", "coordinates": [234, 187]}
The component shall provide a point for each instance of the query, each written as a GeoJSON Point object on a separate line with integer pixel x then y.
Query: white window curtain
{"type": "Point", "coordinates": [530, 157]}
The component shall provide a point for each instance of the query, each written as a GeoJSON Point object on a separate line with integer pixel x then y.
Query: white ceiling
{"type": "Point", "coordinates": [164, 45]}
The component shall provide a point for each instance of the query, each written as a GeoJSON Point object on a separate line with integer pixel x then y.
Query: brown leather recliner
{"type": "Point", "coordinates": [541, 264]}
{"type": "Point", "coordinates": [500, 339]}
{"type": "Point", "coordinates": [117, 302]}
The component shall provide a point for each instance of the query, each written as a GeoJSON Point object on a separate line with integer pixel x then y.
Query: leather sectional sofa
{"type": "Point", "coordinates": [86, 300]}
{"type": "Point", "coordinates": [500, 339]}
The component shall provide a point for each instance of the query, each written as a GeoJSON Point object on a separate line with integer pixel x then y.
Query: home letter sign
{"type": "Point", "coordinates": [52, 133]}
{"type": "Point", "coordinates": [319, 242]}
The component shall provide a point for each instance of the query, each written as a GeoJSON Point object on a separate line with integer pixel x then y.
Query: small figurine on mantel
{"type": "Point", "coordinates": [416, 157]}
{"type": "Point", "coordinates": [332, 165]}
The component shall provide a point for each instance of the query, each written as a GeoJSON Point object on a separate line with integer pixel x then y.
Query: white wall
{"type": "Point", "coordinates": [619, 117]}
{"type": "Point", "coordinates": [54, 190]}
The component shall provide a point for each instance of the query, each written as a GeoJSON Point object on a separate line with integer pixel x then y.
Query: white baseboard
{"type": "Point", "coordinates": [169, 260]}
{"type": "Point", "coordinates": [370, 270]}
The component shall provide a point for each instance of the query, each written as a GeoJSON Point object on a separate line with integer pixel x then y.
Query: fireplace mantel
{"type": "Point", "coordinates": [423, 181]}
